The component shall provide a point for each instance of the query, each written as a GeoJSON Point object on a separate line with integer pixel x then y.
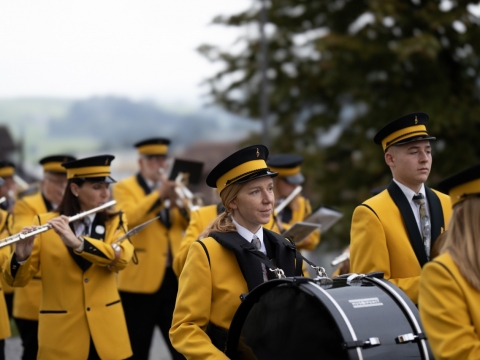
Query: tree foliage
{"type": "Point", "coordinates": [340, 70]}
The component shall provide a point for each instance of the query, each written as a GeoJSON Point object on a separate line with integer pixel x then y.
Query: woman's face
{"type": "Point", "coordinates": [91, 194]}
{"type": "Point", "coordinates": [253, 205]}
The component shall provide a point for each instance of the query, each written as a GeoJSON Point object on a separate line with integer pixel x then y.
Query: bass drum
{"type": "Point", "coordinates": [353, 317]}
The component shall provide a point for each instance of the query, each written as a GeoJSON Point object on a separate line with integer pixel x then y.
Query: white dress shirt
{"type": "Point", "coordinates": [248, 235]}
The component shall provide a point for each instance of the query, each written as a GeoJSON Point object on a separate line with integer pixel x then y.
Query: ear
{"type": "Point", "coordinates": [233, 205]}
{"type": "Point", "coordinates": [74, 189]}
{"type": "Point", "coordinates": [389, 159]}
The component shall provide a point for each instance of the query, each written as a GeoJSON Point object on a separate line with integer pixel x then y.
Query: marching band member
{"type": "Point", "coordinates": [8, 188]}
{"type": "Point", "coordinates": [394, 231]}
{"type": "Point", "coordinates": [218, 269]}
{"type": "Point", "coordinates": [81, 314]}
{"type": "Point", "coordinates": [288, 167]}
{"type": "Point", "coordinates": [450, 284]}
{"type": "Point", "coordinates": [7, 194]}
{"type": "Point", "coordinates": [149, 288]}
{"type": "Point", "coordinates": [5, 332]}
{"type": "Point", "coordinates": [26, 302]}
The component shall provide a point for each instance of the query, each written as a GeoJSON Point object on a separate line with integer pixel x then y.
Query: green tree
{"type": "Point", "coordinates": [340, 70]}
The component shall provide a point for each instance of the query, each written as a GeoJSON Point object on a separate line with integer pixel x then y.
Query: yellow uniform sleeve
{"type": "Point", "coordinates": [192, 309]}
{"type": "Point", "coordinates": [101, 252]}
{"type": "Point", "coordinates": [445, 315]}
{"type": "Point", "coordinates": [369, 251]}
{"type": "Point", "coordinates": [26, 271]}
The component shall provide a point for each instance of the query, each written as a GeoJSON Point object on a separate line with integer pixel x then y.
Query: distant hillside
{"type": "Point", "coordinates": [112, 123]}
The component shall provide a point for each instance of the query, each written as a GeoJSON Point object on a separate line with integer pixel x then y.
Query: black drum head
{"type": "Point", "coordinates": [287, 323]}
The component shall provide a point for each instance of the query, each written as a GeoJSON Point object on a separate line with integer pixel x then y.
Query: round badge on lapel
{"type": "Point", "coordinates": [99, 229]}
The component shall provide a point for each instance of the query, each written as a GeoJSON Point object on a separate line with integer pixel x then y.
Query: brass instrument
{"type": "Point", "coordinates": [185, 196]}
{"type": "Point", "coordinates": [185, 199]}
{"type": "Point", "coordinates": [42, 228]}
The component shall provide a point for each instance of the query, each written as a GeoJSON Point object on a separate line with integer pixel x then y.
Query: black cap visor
{"type": "Point", "coordinates": [413, 139]}
{"type": "Point", "coordinates": [254, 175]}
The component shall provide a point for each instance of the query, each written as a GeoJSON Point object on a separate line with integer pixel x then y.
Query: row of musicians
{"type": "Point", "coordinates": [71, 186]}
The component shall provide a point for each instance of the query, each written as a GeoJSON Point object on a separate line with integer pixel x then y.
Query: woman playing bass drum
{"type": "Point", "coordinates": [225, 263]}
{"type": "Point", "coordinates": [81, 316]}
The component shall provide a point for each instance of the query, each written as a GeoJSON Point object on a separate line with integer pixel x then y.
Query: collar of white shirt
{"type": "Point", "coordinates": [248, 235]}
{"type": "Point", "coordinates": [409, 193]}
{"type": "Point", "coordinates": [80, 225]}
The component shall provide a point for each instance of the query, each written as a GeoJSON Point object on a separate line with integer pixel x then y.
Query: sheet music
{"type": "Point", "coordinates": [324, 216]}
{"type": "Point", "coordinates": [300, 231]}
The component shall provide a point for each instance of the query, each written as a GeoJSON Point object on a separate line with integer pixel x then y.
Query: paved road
{"type": "Point", "coordinates": [13, 348]}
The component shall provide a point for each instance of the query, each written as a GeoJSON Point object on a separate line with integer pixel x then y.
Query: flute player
{"type": "Point", "coordinates": [81, 314]}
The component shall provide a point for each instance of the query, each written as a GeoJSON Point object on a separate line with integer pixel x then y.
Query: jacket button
{"type": "Point", "coordinates": [86, 280]}
{"type": "Point", "coordinates": [88, 308]}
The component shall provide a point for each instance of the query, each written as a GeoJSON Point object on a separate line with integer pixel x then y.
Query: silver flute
{"type": "Point", "coordinates": [42, 228]}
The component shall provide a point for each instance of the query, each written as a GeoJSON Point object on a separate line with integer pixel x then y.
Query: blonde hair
{"type": "Point", "coordinates": [463, 239]}
{"type": "Point", "coordinates": [223, 222]}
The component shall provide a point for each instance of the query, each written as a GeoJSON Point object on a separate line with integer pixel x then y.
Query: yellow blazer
{"type": "Point", "coordinates": [450, 312]}
{"type": "Point", "coordinates": [152, 243]}
{"type": "Point", "coordinates": [209, 291]}
{"type": "Point", "coordinates": [77, 304]}
{"type": "Point", "coordinates": [304, 209]}
{"type": "Point", "coordinates": [4, 255]}
{"type": "Point", "coordinates": [380, 241]}
{"type": "Point", "coordinates": [5, 231]}
{"type": "Point", "coordinates": [26, 302]}
{"type": "Point", "coordinates": [199, 220]}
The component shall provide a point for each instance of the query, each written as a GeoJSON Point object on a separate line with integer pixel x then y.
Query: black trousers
{"type": "Point", "coordinates": [145, 311]}
{"type": "Point", "coordinates": [9, 302]}
{"type": "Point", "coordinates": [92, 352]}
{"type": "Point", "coordinates": [28, 330]}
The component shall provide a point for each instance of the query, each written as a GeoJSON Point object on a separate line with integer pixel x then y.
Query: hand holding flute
{"type": "Point", "coordinates": [24, 239]}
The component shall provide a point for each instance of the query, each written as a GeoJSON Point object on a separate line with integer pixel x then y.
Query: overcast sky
{"type": "Point", "coordinates": [138, 48]}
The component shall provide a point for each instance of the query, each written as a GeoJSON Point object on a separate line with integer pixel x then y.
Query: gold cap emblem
{"type": "Point", "coordinates": [416, 120]}
{"type": "Point", "coordinates": [106, 161]}
{"type": "Point", "coordinates": [258, 153]}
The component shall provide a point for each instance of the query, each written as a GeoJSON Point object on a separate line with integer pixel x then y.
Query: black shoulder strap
{"type": "Point", "coordinates": [284, 249]}
{"type": "Point", "coordinates": [403, 205]}
{"type": "Point", "coordinates": [245, 253]}
{"type": "Point", "coordinates": [206, 251]}
{"type": "Point", "coordinates": [436, 215]}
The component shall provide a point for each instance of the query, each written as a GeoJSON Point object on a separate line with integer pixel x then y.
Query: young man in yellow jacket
{"type": "Point", "coordinates": [393, 232]}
